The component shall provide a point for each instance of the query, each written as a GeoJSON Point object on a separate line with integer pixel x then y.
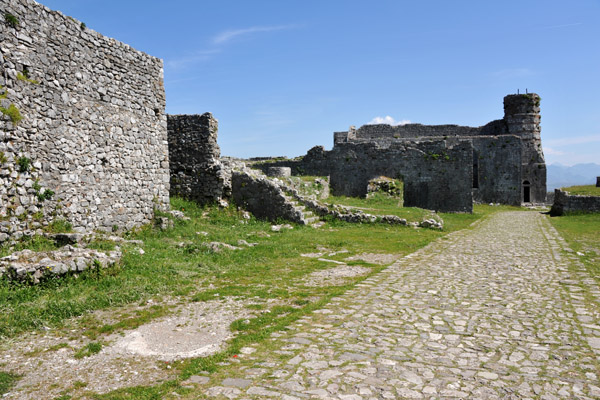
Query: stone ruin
{"type": "Point", "coordinates": [444, 167]}
{"type": "Point", "coordinates": [83, 132]}
{"type": "Point", "coordinates": [84, 138]}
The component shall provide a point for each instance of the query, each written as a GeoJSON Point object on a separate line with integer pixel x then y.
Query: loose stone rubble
{"type": "Point", "coordinates": [31, 266]}
{"type": "Point", "coordinates": [494, 312]}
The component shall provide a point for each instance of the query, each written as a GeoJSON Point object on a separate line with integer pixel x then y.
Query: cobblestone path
{"type": "Point", "coordinates": [499, 311]}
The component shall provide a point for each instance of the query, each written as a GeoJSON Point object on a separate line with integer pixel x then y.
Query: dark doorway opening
{"type": "Point", "coordinates": [475, 170]}
{"type": "Point", "coordinates": [526, 192]}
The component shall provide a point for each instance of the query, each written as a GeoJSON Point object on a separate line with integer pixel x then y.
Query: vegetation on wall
{"type": "Point", "coordinates": [13, 113]}
{"type": "Point", "coordinates": [11, 20]}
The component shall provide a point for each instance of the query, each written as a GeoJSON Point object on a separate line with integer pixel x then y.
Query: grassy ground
{"type": "Point", "coordinates": [175, 263]}
{"type": "Point", "coordinates": [587, 190]}
{"type": "Point", "coordinates": [582, 233]}
{"type": "Point", "coordinates": [6, 382]}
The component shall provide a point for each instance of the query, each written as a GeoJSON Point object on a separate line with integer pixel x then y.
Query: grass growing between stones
{"type": "Point", "coordinates": [586, 190]}
{"type": "Point", "coordinates": [582, 233]}
{"type": "Point", "coordinates": [268, 276]}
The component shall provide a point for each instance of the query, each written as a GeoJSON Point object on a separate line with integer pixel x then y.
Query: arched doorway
{"type": "Point", "coordinates": [526, 192]}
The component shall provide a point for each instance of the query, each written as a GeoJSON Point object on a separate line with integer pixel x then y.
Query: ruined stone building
{"type": "Point", "coordinates": [444, 167]}
{"type": "Point", "coordinates": [84, 137]}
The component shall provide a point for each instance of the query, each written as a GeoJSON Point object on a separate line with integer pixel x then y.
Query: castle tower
{"type": "Point", "coordinates": [522, 117]}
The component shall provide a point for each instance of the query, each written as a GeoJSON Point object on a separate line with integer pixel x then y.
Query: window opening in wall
{"type": "Point", "coordinates": [475, 170]}
{"type": "Point", "coordinates": [526, 192]}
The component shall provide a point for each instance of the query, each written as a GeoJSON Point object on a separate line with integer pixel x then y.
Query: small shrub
{"type": "Point", "coordinates": [45, 195]}
{"type": "Point", "coordinates": [24, 164]}
{"type": "Point", "coordinates": [13, 113]}
{"type": "Point", "coordinates": [3, 158]}
{"type": "Point", "coordinates": [83, 26]}
{"type": "Point", "coordinates": [11, 20]}
{"type": "Point", "coordinates": [59, 225]}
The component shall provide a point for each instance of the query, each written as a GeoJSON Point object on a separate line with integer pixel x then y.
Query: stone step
{"type": "Point", "coordinates": [311, 220]}
{"type": "Point", "coordinates": [307, 214]}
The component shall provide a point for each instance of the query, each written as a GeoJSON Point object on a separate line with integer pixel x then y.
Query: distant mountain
{"type": "Point", "coordinates": [578, 174]}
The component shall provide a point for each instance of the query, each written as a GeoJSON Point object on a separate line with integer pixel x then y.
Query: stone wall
{"type": "Point", "coordinates": [196, 170]}
{"type": "Point", "coordinates": [383, 132]}
{"type": "Point", "coordinates": [264, 198]}
{"type": "Point", "coordinates": [437, 175]}
{"type": "Point", "coordinates": [93, 128]}
{"type": "Point", "coordinates": [497, 169]}
{"type": "Point", "coordinates": [565, 203]}
{"type": "Point", "coordinates": [521, 120]}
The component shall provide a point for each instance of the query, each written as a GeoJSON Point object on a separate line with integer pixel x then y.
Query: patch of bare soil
{"type": "Point", "coordinates": [375, 258]}
{"type": "Point", "coordinates": [141, 356]}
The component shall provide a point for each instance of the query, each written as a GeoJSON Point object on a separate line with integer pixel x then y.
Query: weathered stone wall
{"type": "Point", "coordinates": [497, 169]}
{"type": "Point", "coordinates": [522, 118]}
{"type": "Point", "coordinates": [196, 170]}
{"type": "Point", "coordinates": [93, 127]}
{"type": "Point", "coordinates": [436, 176]}
{"type": "Point", "coordinates": [565, 203]}
{"type": "Point", "coordinates": [262, 197]}
{"type": "Point", "coordinates": [384, 133]}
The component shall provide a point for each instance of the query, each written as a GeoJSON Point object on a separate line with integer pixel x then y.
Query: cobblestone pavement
{"type": "Point", "coordinates": [496, 312]}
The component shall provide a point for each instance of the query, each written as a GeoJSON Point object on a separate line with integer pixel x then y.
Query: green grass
{"type": "Point", "coordinates": [88, 350]}
{"type": "Point", "coordinates": [35, 243]}
{"type": "Point", "coordinates": [582, 233]}
{"type": "Point", "coordinates": [380, 204]}
{"type": "Point", "coordinates": [59, 226]}
{"type": "Point", "coordinates": [587, 190]}
{"type": "Point", "coordinates": [176, 263]}
{"type": "Point", "coordinates": [7, 381]}
{"type": "Point", "coordinates": [272, 269]}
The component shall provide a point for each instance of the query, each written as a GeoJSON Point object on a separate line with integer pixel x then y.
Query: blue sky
{"type": "Point", "coordinates": [282, 76]}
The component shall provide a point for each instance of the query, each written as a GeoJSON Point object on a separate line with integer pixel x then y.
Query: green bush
{"type": "Point", "coordinates": [11, 20]}
{"type": "Point", "coordinates": [24, 164]}
{"type": "Point", "coordinates": [13, 113]}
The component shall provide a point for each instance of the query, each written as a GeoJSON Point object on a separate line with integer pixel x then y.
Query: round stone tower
{"type": "Point", "coordinates": [522, 117]}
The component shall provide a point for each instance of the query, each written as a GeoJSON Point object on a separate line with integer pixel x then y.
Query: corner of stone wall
{"type": "Point", "coordinates": [196, 170]}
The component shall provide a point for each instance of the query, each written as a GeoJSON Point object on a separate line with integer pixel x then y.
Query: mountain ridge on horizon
{"type": "Point", "coordinates": [559, 175]}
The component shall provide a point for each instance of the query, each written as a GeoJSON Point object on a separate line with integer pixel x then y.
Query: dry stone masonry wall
{"type": "Point", "coordinates": [197, 172]}
{"type": "Point", "coordinates": [93, 130]}
{"type": "Point", "coordinates": [500, 162]}
{"type": "Point", "coordinates": [566, 203]}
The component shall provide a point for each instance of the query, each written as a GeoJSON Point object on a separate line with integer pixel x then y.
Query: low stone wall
{"type": "Point", "coordinates": [196, 170]}
{"type": "Point", "coordinates": [565, 203]}
{"type": "Point", "coordinates": [256, 193]}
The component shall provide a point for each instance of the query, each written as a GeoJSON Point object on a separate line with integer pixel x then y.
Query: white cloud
{"type": "Point", "coordinates": [226, 36]}
{"type": "Point", "coordinates": [388, 121]}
